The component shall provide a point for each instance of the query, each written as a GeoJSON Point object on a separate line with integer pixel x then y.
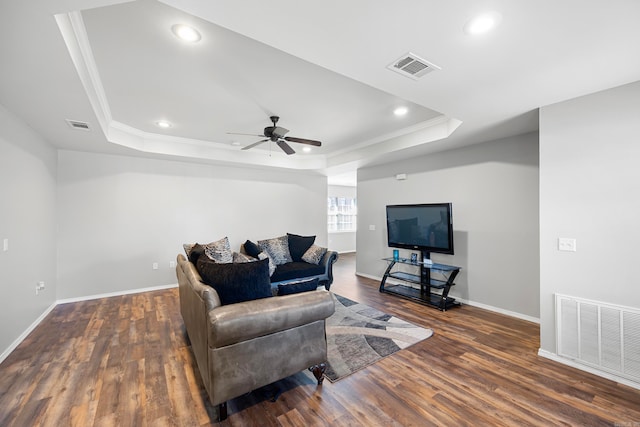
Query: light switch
{"type": "Point", "coordinates": [372, 228]}
{"type": "Point", "coordinates": [566, 244]}
{"type": "Point", "coordinates": [5, 245]}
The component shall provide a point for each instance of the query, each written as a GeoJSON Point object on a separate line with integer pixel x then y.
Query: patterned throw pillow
{"type": "Point", "coordinates": [219, 251]}
{"type": "Point", "coordinates": [277, 249]}
{"type": "Point", "coordinates": [240, 257]}
{"type": "Point", "coordinates": [314, 254]}
{"type": "Point", "coordinates": [272, 266]}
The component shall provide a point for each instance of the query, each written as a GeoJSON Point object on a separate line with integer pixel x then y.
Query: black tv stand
{"type": "Point", "coordinates": [430, 291]}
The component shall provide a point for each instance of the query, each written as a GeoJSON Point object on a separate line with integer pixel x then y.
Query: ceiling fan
{"type": "Point", "coordinates": [277, 134]}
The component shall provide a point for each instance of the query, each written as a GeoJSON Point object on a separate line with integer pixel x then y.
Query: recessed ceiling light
{"type": "Point", "coordinates": [163, 124]}
{"type": "Point", "coordinates": [235, 143]}
{"type": "Point", "coordinates": [482, 23]}
{"type": "Point", "coordinates": [306, 149]}
{"type": "Point", "coordinates": [400, 111]}
{"type": "Point", "coordinates": [186, 33]}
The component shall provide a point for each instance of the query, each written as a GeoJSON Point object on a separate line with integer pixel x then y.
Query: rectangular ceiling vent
{"type": "Point", "coordinates": [76, 124]}
{"type": "Point", "coordinates": [412, 66]}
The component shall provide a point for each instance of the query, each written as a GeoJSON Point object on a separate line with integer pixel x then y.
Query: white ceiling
{"type": "Point", "coordinates": [320, 66]}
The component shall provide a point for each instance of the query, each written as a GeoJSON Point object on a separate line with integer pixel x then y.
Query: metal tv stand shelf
{"type": "Point", "coordinates": [423, 293]}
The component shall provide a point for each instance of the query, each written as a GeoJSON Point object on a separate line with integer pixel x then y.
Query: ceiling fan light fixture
{"type": "Point", "coordinates": [306, 149]}
{"type": "Point", "coordinates": [186, 33]}
{"type": "Point", "coordinates": [163, 124]}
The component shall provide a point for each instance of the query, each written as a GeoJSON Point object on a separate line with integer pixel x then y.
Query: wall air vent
{"type": "Point", "coordinates": [76, 124]}
{"type": "Point", "coordinates": [412, 66]}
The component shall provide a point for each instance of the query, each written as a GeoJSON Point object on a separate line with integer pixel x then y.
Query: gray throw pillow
{"type": "Point", "coordinates": [218, 251]}
{"type": "Point", "coordinates": [314, 254]}
{"type": "Point", "coordinates": [277, 248]}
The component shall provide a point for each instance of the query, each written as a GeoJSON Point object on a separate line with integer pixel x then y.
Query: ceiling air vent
{"type": "Point", "coordinates": [76, 124]}
{"type": "Point", "coordinates": [412, 66]}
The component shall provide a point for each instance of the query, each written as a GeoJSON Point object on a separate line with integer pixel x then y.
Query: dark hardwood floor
{"type": "Point", "coordinates": [125, 361]}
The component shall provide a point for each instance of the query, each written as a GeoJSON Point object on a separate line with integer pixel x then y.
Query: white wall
{"type": "Point", "coordinates": [590, 191]}
{"type": "Point", "coordinates": [118, 215]}
{"type": "Point", "coordinates": [494, 190]}
{"type": "Point", "coordinates": [28, 221]}
{"type": "Point", "coordinates": [342, 241]}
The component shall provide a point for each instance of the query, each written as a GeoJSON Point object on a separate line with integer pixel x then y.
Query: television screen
{"type": "Point", "coordinates": [424, 227]}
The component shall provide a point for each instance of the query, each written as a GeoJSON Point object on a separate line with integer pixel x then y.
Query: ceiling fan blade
{"type": "Point", "coordinates": [247, 134]}
{"type": "Point", "coordinates": [254, 144]}
{"type": "Point", "coordinates": [303, 141]}
{"type": "Point", "coordinates": [285, 147]}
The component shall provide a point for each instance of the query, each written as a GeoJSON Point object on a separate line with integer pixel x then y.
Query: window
{"type": "Point", "coordinates": [342, 214]}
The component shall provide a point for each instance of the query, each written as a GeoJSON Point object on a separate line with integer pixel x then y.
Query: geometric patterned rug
{"type": "Point", "coordinates": [359, 335]}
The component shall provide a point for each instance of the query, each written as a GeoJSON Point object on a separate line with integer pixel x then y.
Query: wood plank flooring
{"type": "Point", "coordinates": [125, 361]}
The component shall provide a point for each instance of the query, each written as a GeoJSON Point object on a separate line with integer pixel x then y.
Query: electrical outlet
{"type": "Point", "coordinates": [172, 264]}
{"type": "Point", "coordinates": [372, 228]}
{"type": "Point", "coordinates": [5, 245]}
{"type": "Point", "coordinates": [155, 266]}
{"type": "Point", "coordinates": [39, 287]}
{"type": "Point", "coordinates": [566, 244]}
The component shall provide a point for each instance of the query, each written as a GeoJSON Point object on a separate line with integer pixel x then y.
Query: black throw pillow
{"type": "Point", "coordinates": [298, 245]}
{"type": "Point", "coordinates": [252, 249]}
{"type": "Point", "coordinates": [195, 253]}
{"type": "Point", "coordinates": [236, 282]}
{"type": "Point", "coordinates": [297, 287]}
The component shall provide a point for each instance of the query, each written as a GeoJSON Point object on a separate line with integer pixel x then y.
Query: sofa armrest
{"type": "Point", "coordinates": [233, 323]}
{"type": "Point", "coordinates": [327, 261]}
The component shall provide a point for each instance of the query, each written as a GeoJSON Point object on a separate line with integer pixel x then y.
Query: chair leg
{"type": "Point", "coordinates": [222, 411]}
{"type": "Point", "coordinates": [318, 372]}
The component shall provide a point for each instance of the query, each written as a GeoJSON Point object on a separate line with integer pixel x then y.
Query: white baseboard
{"type": "Point", "coordinates": [468, 302]}
{"type": "Point", "coordinates": [24, 335]}
{"type": "Point", "coordinates": [116, 294]}
{"type": "Point", "coordinates": [594, 371]}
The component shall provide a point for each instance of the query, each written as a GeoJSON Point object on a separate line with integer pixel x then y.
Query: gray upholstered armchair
{"type": "Point", "coordinates": [241, 347]}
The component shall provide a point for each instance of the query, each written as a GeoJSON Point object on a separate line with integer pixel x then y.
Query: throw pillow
{"type": "Point", "coordinates": [194, 253]}
{"type": "Point", "coordinates": [235, 283]}
{"type": "Point", "coordinates": [251, 249]}
{"type": "Point", "coordinates": [277, 248]}
{"type": "Point", "coordinates": [188, 247]}
{"type": "Point", "coordinates": [297, 287]}
{"type": "Point", "coordinates": [298, 245]}
{"type": "Point", "coordinates": [219, 251]}
{"type": "Point", "coordinates": [314, 254]}
{"type": "Point", "coordinates": [240, 257]}
{"type": "Point", "coordinates": [272, 266]}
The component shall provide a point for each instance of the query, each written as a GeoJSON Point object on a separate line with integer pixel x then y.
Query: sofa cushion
{"type": "Point", "coordinates": [314, 254]}
{"type": "Point", "coordinates": [298, 245]}
{"type": "Point", "coordinates": [277, 248]}
{"type": "Point", "coordinates": [236, 282]}
{"type": "Point", "coordinates": [298, 286]}
{"type": "Point", "coordinates": [296, 270]}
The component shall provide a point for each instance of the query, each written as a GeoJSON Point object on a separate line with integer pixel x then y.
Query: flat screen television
{"type": "Point", "coordinates": [424, 227]}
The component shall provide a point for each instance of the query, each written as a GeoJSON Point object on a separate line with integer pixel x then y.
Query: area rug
{"type": "Point", "coordinates": [359, 335]}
